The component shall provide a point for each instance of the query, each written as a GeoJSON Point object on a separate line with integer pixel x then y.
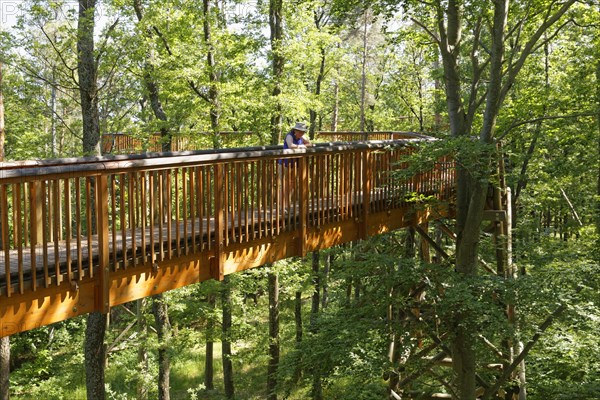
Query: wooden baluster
{"type": "Point", "coordinates": [103, 299]}
{"type": "Point", "coordinates": [34, 229]}
{"type": "Point", "coordinates": [261, 193]}
{"type": "Point", "coordinates": [160, 176]}
{"type": "Point", "coordinates": [184, 187]}
{"type": "Point", "coordinates": [178, 215]}
{"type": "Point", "coordinates": [132, 207]}
{"type": "Point", "coordinates": [219, 258]}
{"type": "Point", "coordinates": [68, 235]}
{"type": "Point", "coordinates": [113, 203]}
{"type": "Point", "coordinates": [248, 200]}
{"type": "Point", "coordinates": [151, 200]}
{"type": "Point", "coordinates": [17, 232]}
{"type": "Point", "coordinates": [367, 172]}
{"type": "Point", "coordinates": [122, 186]}
{"type": "Point", "coordinates": [191, 192]}
{"type": "Point", "coordinates": [168, 205]}
{"type": "Point", "coordinates": [90, 226]}
{"type": "Point", "coordinates": [302, 200]}
{"type": "Point", "coordinates": [239, 206]}
{"type": "Point", "coordinates": [143, 214]}
{"type": "Point", "coordinates": [226, 203]}
{"type": "Point", "coordinates": [79, 218]}
{"type": "Point", "coordinates": [200, 204]}
{"type": "Point", "coordinates": [5, 237]}
{"type": "Point", "coordinates": [210, 185]}
{"type": "Point", "coordinates": [253, 197]}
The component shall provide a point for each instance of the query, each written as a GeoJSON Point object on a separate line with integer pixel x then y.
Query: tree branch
{"type": "Point", "coordinates": [531, 43]}
{"type": "Point", "coordinates": [426, 29]}
{"type": "Point", "coordinates": [538, 119]}
{"type": "Point", "coordinates": [203, 96]}
{"type": "Point", "coordinates": [521, 356]}
{"type": "Point", "coordinates": [102, 46]}
{"type": "Point", "coordinates": [60, 56]}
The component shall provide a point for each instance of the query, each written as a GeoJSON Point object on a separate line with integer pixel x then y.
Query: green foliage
{"type": "Point", "coordinates": [548, 109]}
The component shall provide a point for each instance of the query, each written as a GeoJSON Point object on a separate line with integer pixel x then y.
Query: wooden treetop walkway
{"type": "Point", "coordinates": [83, 235]}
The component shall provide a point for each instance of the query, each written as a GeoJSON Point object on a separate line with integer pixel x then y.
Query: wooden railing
{"type": "Point", "coordinates": [121, 143]}
{"type": "Point", "coordinates": [348, 136]}
{"type": "Point", "coordinates": [130, 144]}
{"type": "Point", "coordinates": [82, 228]}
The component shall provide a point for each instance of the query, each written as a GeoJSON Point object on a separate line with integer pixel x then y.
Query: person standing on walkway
{"type": "Point", "coordinates": [295, 139]}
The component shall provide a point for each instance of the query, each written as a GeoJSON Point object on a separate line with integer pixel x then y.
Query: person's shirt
{"type": "Point", "coordinates": [292, 143]}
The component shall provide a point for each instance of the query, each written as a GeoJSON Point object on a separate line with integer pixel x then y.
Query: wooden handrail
{"type": "Point", "coordinates": [125, 143]}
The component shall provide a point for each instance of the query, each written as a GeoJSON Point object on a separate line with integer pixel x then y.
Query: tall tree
{"type": "Point", "coordinates": [598, 123]}
{"type": "Point", "coordinates": [95, 350]}
{"type": "Point", "coordinates": [2, 133]}
{"type": "Point", "coordinates": [213, 76]}
{"type": "Point", "coordinates": [322, 19]}
{"type": "Point", "coordinates": [226, 325]}
{"type": "Point", "coordinates": [500, 73]}
{"type": "Point", "coordinates": [95, 355]}
{"type": "Point", "coordinates": [317, 387]}
{"type": "Point", "coordinates": [273, 335]}
{"type": "Point", "coordinates": [5, 340]}
{"type": "Point", "coordinates": [163, 331]}
{"type": "Point", "coordinates": [277, 63]}
{"type": "Point", "coordinates": [276, 37]}
{"type": "Point", "coordinates": [151, 84]}
{"type": "Point", "coordinates": [142, 326]}
{"type": "Point", "coordinates": [363, 74]}
{"type": "Point", "coordinates": [209, 347]}
{"type": "Point", "coordinates": [4, 367]}
{"type": "Point", "coordinates": [87, 69]}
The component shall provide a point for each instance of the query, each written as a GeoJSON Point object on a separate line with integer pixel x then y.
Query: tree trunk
{"type": "Point", "coordinates": [273, 335]}
{"type": "Point", "coordinates": [276, 37]}
{"type": "Point", "coordinates": [336, 106]}
{"type": "Point", "coordinates": [152, 86]}
{"type": "Point", "coordinates": [53, 115]}
{"type": "Point", "coordinates": [394, 320]}
{"type": "Point", "coordinates": [209, 356]}
{"type": "Point", "coordinates": [363, 85]}
{"type": "Point", "coordinates": [160, 310]}
{"type": "Point", "coordinates": [2, 133]}
{"type": "Point", "coordinates": [472, 188]}
{"type": "Point", "coordinates": [142, 388]}
{"type": "Point", "coordinates": [598, 158]}
{"type": "Point", "coordinates": [325, 287]}
{"type": "Point", "coordinates": [317, 387]}
{"type": "Point", "coordinates": [4, 341]}
{"type": "Point", "coordinates": [463, 355]}
{"type": "Point", "coordinates": [226, 339]}
{"type": "Point", "coordinates": [320, 77]}
{"type": "Point", "coordinates": [2, 137]}
{"type": "Point", "coordinates": [213, 76]}
{"type": "Point", "coordinates": [299, 333]}
{"type": "Point", "coordinates": [4, 367]}
{"type": "Point", "coordinates": [314, 310]}
{"type": "Point", "coordinates": [95, 355]}
{"type": "Point", "coordinates": [88, 71]}
{"type": "Point", "coordinates": [276, 28]}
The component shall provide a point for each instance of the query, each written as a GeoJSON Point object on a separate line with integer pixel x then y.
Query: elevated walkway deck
{"type": "Point", "coordinates": [83, 235]}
